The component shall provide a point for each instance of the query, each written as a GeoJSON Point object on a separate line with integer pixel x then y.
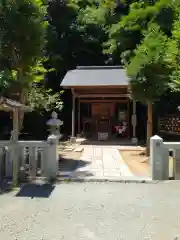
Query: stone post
{"type": "Point", "coordinates": [14, 157]}
{"type": "Point", "coordinates": [134, 123]}
{"type": "Point", "coordinates": [52, 159]}
{"type": "Point", "coordinates": [1, 161]}
{"type": "Point", "coordinates": [159, 159]}
{"type": "Point", "coordinates": [9, 160]}
{"type": "Point", "coordinates": [176, 163]}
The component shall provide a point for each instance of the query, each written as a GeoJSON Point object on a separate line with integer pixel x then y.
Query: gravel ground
{"type": "Point", "coordinates": [92, 211]}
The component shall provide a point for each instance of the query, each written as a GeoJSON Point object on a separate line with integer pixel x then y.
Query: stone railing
{"type": "Point", "coordinates": [33, 157]}
{"type": "Point", "coordinates": [4, 158]}
{"type": "Point", "coordinates": [160, 158]}
{"type": "Point", "coordinates": [20, 159]}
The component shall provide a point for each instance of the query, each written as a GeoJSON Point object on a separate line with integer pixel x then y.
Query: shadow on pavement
{"type": "Point", "coordinates": [107, 143]}
{"type": "Point", "coordinates": [5, 186]}
{"type": "Point", "coordinates": [36, 190]}
{"type": "Point", "coordinates": [71, 165]}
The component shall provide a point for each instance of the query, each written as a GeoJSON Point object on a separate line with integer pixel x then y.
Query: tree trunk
{"type": "Point", "coordinates": [22, 98]}
{"type": "Point", "coordinates": [21, 113]}
{"type": "Point", "coordinates": [149, 127]}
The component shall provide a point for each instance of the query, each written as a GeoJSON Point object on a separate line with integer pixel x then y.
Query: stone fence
{"type": "Point", "coordinates": [160, 159]}
{"type": "Point", "coordinates": [22, 159]}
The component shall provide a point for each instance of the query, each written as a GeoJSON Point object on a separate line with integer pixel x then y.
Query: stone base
{"type": "Point", "coordinates": [72, 139]}
{"type": "Point", "coordinates": [102, 136]}
{"type": "Point", "coordinates": [134, 141]}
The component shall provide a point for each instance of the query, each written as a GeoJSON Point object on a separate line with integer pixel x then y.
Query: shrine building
{"type": "Point", "coordinates": [102, 107]}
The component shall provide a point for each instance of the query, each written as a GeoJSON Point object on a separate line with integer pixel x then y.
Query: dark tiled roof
{"type": "Point", "coordinates": [96, 76]}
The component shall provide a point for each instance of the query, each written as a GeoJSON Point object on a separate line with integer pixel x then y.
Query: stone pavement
{"type": "Point", "coordinates": [101, 162]}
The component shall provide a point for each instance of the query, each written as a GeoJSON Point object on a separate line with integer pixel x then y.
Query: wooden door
{"type": "Point", "coordinates": [102, 110]}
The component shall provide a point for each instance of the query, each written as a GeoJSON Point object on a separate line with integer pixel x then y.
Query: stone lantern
{"type": "Point", "coordinates": [54, 125]}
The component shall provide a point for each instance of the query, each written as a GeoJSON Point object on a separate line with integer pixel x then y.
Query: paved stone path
{"type": "Point", "coordinates": [101, 161]}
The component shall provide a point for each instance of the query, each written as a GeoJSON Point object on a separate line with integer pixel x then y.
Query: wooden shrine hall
{"type": "Point", "coordinates": [101, 105]}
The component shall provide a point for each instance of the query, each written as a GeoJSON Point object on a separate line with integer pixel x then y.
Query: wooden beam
{"type": "Point", "coordinates": [103, 101]}
{"type": "Point", "coordinates": [101, 91]}
{"type": "Point", "coordinates": [102, 95]}
{"type": "Point", "coordinates": [99, 87]}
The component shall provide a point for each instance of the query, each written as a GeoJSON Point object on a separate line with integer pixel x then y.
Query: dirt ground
{"type": "Point", "coordinates": [137, 162]}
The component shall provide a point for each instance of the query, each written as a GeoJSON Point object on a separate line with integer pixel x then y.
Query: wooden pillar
{"type": "Point", "coordinates": [149, 122]}
{"type": "Point", "coordinates": [134, 122]}
{"type": "Point", "coordinates": [79, 116]}
{"type": "Point", "coordinates": [16, 123]}
{"type": "Point", "coordinates": [14, 139]}
{"type": "Point", "coordinates": [129, 121]}
{"type": "Point", "coordinates": [134, 115]}
{"type": "Point", "coordinates": [73, 114]}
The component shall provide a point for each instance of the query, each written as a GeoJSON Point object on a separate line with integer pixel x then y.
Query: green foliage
{"type": "Point", "coordinates": [173, 56]}
{"type": "Point", "coordinates": [5, 80]}
{"type": "Point", "coordinates": [142, 37]}
{"type": "Point", "coordinates": [42, 99]}
{"type": "Point", "coordinates": [96, 20]}
{"type": "Point", "coordinates": [78, 30]}
{"type": "Point", "coordinates": [126, 33]}
{"type": "Point", "coordinates": [97, 13]}
{"type": "Point", "coordinates": [22, 32]}
{"type": "Point", "coordinates": [147, 68]}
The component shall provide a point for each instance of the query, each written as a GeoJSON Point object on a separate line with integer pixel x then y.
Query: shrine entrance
{"type": "Point", "coordinates": [107, 119]}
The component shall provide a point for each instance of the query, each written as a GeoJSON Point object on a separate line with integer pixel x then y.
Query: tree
{"type": "Point", "coordinates": [142, 37]}
{"type": "Point", "coordinates": [97, 18]}
{"type": "Point", "coordinates": [22, 40]}
{"type": "Point", "coordinates": [72, 41]}
{"type": "Point", "coordinates": [148, 70]}
{"type": "Point", "coordinates": [126, 33]}
{"type": "Point", "coordinates": [173, 55]}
